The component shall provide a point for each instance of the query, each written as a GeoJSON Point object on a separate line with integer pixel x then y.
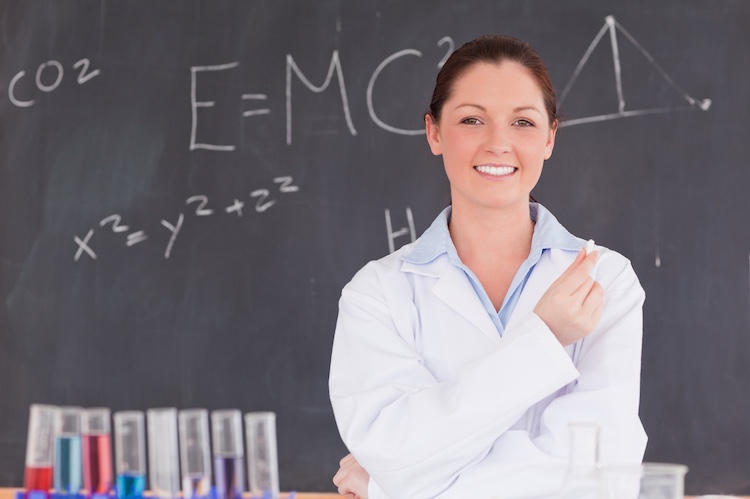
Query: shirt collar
{"type": "Point", "coordinates": [436, 240]}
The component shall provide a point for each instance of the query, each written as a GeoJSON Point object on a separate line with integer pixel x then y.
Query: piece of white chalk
{"type": "Point", "coordinates": [589, 246]}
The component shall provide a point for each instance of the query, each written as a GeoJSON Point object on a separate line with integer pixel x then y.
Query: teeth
{"type": "Point", "coordinates": [495, 170]}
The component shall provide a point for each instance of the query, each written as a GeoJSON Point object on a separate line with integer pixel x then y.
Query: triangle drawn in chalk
{"type": "Point", "coordinates": [628, 93]}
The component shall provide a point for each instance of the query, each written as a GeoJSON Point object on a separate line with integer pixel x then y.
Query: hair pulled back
{"type": "Point", "coordinates": [493, 49]}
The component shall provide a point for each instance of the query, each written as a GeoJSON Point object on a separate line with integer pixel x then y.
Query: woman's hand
{"type": "Point", "coordinates": [573, 305]}
{"type": "Point", "coordinates": [351, 478]}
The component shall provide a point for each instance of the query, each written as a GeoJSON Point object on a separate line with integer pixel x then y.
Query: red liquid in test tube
{"type": "Point", "coordinates": [40, 449]}
{"type": "Point", "coordinates": [97, 451]}
{"type": "Point", "coordinates": [97, 464]}
{"type": "Point", "coordinates": [38, 478]}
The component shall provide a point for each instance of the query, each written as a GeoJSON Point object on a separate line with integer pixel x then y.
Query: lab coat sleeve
{"type": "Point", "coordinates": [413, 434]}
{"type": "Point", "coordinates": [608, 389]}
{"type": "Point", "coordinates": [606, 392]}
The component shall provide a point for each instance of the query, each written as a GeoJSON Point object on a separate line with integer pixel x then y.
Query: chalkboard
{"type": "Point", "coordinates": [187, 185]}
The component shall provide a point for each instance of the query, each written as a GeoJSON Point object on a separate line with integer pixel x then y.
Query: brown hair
{"type": "Point", "coordinates": [493, 49]}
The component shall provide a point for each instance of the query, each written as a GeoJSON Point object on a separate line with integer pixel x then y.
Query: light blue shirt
{"type": "Point", "coordinates": [548, 233]}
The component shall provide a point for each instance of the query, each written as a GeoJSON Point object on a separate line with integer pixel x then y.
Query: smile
{"type": "Point", "coordinates": [497, 171]}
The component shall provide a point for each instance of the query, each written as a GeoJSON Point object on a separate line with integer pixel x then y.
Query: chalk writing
{"type": "Point", "coordinates": [293, 71]}
{"type": "Point", "coordinates": [195, 104]}
{"type": "Point", "coordinates": [83, 246]}
{"type": "Point", "coordinates": [201, 210]}
{"type": "Point", "coordinates": [174, 229]}
{"type": "Point", "coordinates": [370, 107]}
{"type": "Point", "coordinates": [334, 66]}
{"type": "Point", "coordinates": [451, 47]}
{"type": "Point", "coordinates": [392, 235]}
{"type": "Point", "coordinates": [265, 201]}
{"type": "Point", "coordinates": [56, 69]}
{"type": "Point", "coordinates": [612, 26]}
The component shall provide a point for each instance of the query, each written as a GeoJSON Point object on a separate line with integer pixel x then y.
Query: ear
{"type": "Point", "coordinates": [550, 145]}
{"type": "Point", "coordinates": [433, 134]}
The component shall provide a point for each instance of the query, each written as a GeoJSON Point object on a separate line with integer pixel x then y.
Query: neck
{"type": "Point", "coordinates": [487, 233]}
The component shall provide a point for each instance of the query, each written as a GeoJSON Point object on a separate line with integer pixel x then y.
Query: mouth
{"type": "Point", "coordinates": [495, 171]}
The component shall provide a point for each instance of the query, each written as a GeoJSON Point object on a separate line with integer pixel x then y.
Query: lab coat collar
{"type": "Point", "coordinates": [453, 288]}
{"type": "Point", "coordinates": [436, 240]}
{"type": "Point", "coordinates": [434, 255]}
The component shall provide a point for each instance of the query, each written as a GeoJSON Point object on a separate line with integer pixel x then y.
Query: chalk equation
{"type": "Point", "coordinates": [292, 70]}
{"type": "Point", "coordinates": [200, 206]}
{"type": "Point", "coordinates": [52, 72]}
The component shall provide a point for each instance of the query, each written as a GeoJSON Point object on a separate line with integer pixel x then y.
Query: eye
{"type": "Point", "coordinates": [471, 121]}
{"type": "Point", "coordinates": [523, 123]}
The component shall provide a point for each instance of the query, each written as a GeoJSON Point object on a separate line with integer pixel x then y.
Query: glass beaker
{"type": "Point", "coordinates": [663, 481]}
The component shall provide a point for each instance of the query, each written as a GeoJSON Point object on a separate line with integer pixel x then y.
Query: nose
{"type": "Point", "coordinates": [498, 140]}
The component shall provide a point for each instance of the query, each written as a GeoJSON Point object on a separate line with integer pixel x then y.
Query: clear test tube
{"type": "Point", "coordinates": [262, 461]}
{"type": "Point", "coordinates": [40, 447]}
{"type": "Point", "coordinates": [68, 475]}
{"type": "Point", "coordinates": [97, 450]}
{"type": "Point", "coordinates": [163, 462]}
{"type": "Point", "coordinates": [195, 453]}
{"type": "Point", "coordinates": [130, 454]}
{"type": "Point", "coordinates": [226, 428]}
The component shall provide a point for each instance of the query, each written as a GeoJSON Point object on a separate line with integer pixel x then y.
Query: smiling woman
{"type": "Point", "coordinates": [460, 360]}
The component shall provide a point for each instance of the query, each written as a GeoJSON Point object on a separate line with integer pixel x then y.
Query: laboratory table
{"type": "Point", "coordinates": [8, 493]}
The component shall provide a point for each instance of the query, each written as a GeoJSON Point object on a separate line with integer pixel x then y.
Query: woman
{"type": "Point", "coordinates": [460, 360]}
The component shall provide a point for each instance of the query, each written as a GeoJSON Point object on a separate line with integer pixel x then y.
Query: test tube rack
{"type": "Point", "coordinates": [40, 494]}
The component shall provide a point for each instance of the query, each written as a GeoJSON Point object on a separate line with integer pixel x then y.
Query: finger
{"type": "Point", "coordinates": [346, 459]}
{"type": "Point", "coordinates": [580, 273]}
{"type": "Point", "coordinates": [593, 304]}
{"type": "Point", "coordinates": [576, 262]}
{"type": "Point", "coordinates": [577, 273]}
{"type": "Point", "coordinates": [338, 477]}
{"type": "Point", "coordinates": [587, 263]}
{"type": "Point", "coordinates": [576, 286]}
{"type": "Point", "coordinates": [345, 490]}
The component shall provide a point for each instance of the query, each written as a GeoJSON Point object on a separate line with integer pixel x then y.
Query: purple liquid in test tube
{"type": "Point", "coordinates": [229, 466]}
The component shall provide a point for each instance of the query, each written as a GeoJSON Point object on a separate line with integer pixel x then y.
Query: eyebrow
{"type": "Point", "coordinates": [516, 110]}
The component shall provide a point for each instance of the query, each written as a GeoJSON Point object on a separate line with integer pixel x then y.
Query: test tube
{"type": "Point", "coordinates": [262, 462]}
{"type": "Point", "coordinates": [195, 453]}
{"type": "Point", "coordinates": [130, 454]}
{"type": "Point", "coordinates": [68, 456]}
{"type": "Point", "coordinates": [226, 427]}
{"type": "Point", "coordinates": [40, 447]}
{"type": "Point", "coordinates": [163, 463]}
{"type": "Point", "coordinates": [97, 450]}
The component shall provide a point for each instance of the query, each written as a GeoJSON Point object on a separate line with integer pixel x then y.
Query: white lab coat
{"type": "Point", "coordinates": [433, 402]}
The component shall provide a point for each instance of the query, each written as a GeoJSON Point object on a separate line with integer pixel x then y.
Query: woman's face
{"type": "Point", "coordinates": [494, 135]}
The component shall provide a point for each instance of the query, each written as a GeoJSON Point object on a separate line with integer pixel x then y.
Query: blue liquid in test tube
{"type": "Point", "coordinates": [130, 485]}
{"type": "Point", "coordinates": [68, 470]}
{"type": "Point", "coordinates": [130, 454]}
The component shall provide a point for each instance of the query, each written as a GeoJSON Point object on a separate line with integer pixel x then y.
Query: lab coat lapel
{"type": "Point", "coordinates": [455, 290]}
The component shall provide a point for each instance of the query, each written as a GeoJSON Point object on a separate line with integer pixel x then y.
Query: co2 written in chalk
{"type": "Point", "coordinates": [258, 200]}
